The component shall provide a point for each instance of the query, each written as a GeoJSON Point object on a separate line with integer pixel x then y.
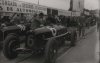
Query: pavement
{"type": "Point", "coordinates": [98, 48]}
{"type": "Point", "coordinates": [86, 51]}
{"type": "Point", "coordinates": [87, 31]}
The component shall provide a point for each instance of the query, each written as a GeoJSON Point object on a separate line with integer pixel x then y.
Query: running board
{"type": "Point", "coordinates": [23, 50]}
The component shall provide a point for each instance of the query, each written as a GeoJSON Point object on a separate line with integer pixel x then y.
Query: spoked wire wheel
{"type": "Point", "coordinates": [11, 43]}
{"type": "Point", "coordinates": [51, 51]}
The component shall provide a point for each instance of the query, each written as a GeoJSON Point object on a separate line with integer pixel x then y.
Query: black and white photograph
{"type": "Point", "coordinates": [49, 31]}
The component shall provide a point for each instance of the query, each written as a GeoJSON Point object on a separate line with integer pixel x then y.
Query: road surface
{"type": "Point", "coordinates": [86, 51]}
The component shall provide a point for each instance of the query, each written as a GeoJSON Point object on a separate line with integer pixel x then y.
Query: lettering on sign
{"type": "Point", "coordinates": [8, 3]}
{"type": "Point", "coordinates": [20, 7]}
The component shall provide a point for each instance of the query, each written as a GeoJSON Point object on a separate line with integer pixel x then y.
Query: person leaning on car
{"type": "Point", "coordinates": [5, 21]}
{"type": "Point", "coordinates": [16, 19]}
{"type": "Point", "coordinates": [50, 20]}
{"type": "Point", "coordinates": [23, 19]}
{"type": "Point", "coordinates": [37, 21]}
{"type": "Point", "coordinates": [19, 19]}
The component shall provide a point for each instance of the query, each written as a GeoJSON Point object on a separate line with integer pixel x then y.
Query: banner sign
{"type": "Point", "coordinates": [20, 7]}
{"type": "Point", "coordinates": [64, 12]}
{"type": "Point", "coordinates": [76, 13]}
{"type": "Point", "coordinates": [42, 9]}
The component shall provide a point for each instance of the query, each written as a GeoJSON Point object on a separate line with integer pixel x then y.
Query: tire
{"type": "Point", "coordinates": [1, 45]}
{"type": "Point", "coordinates": [73, 39]}
{"type": "Point", "coordinates": [51, 51]}
{"type": "Point", "coordinates": [10, 44]}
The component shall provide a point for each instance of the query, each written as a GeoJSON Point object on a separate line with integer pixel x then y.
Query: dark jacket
{"type": "Point", "coordinates": [35, 24]}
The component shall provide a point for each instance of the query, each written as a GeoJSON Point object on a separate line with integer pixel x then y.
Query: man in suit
{"type": "Point", "coordinates": [37, 21]}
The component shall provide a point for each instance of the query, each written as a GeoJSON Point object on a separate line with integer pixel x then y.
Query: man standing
{"type": "Point", "coordinates": [0, 20]}
{"type": "Point", "coordinates": [16, 19]}
{"type": "Point", "coordinates": [23, 19]}
{"type": "Point", "coordinates": [80, 26]}
{"type": "Point", "coordinates": [83, 23]}
{"type": "Point", "coordinates": [37, 21]}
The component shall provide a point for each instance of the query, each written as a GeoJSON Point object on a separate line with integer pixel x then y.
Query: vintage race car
{"type": "Point", "coordinates": [47, 39]}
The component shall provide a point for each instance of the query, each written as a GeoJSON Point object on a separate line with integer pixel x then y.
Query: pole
{"type": "Point", "coordinates": [37, 7]}
{"type": "Point", "coordinates": [38, 2]}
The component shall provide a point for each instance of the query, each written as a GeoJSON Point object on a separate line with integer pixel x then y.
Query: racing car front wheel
{"type": "Point", "coordinates": [10, 44]}
{"type": "Point", "coordinates": [51, 51]}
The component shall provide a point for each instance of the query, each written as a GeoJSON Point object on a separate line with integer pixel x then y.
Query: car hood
{"type": "Point", "coordinates": [50, 31]}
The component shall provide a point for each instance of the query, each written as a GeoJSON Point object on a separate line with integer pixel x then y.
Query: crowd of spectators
{"type": "Point", "coordinates": [40, 20]}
